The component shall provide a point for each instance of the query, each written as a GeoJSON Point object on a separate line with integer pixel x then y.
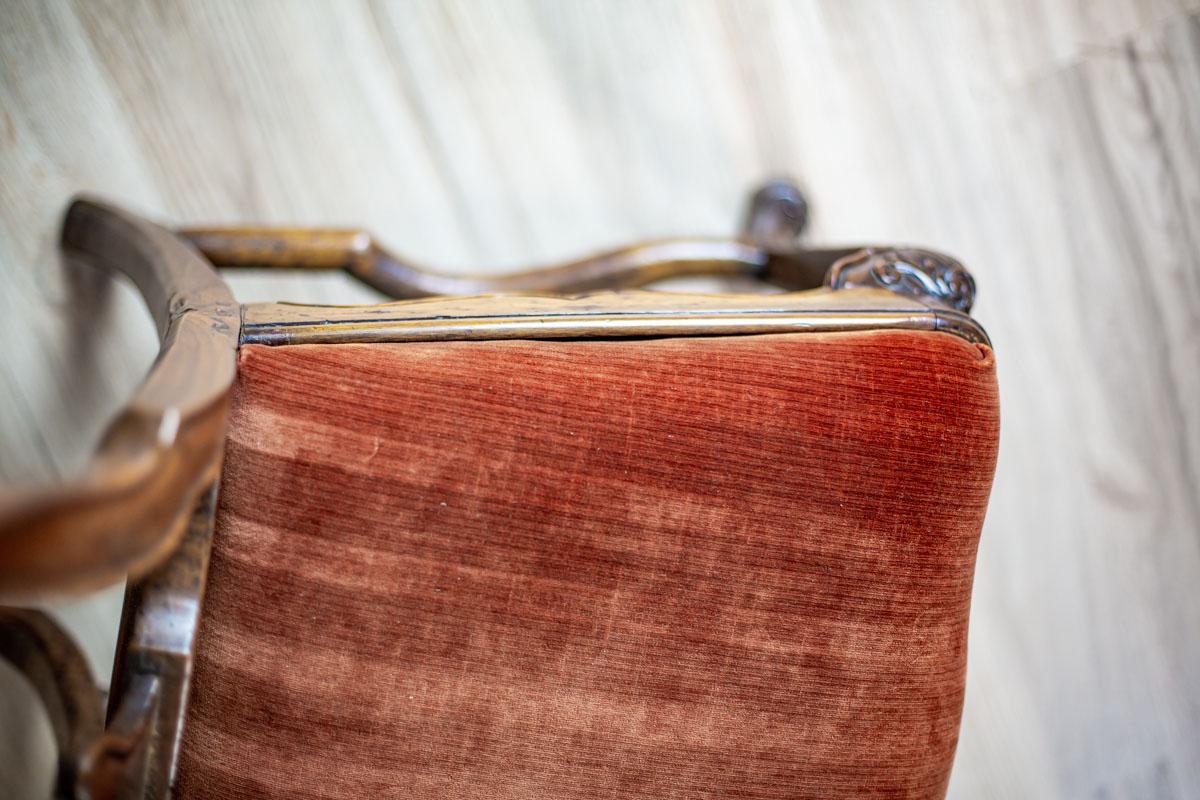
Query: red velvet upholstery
{"type": "Point", "coordinates": [674, 568]}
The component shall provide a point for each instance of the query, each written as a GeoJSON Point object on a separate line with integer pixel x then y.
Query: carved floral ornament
{"type": "Point", "coordinates": [923, 274]}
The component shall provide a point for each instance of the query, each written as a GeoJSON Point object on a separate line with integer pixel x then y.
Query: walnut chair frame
{"type": "Point", "coordinates": [144, 506]}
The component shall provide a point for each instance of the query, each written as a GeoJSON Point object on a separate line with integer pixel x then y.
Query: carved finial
{"type": "Point", "coordinates": [923, 274]}
{"type": "Point", "coordinates": [777, 215]}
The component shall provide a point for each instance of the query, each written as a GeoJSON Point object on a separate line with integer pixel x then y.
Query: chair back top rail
{"type": "Point", "coordinates": [766, 249]}
{"type": "Point", "coordinates": [356, 252]}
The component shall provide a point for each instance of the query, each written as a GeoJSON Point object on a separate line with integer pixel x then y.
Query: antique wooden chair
{"type": "Point", "coordinates": [574, 544]}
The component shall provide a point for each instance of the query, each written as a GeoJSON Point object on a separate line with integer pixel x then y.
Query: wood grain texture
{"type": "Point", "coordinates": [126, 512]}
{"type": "Point", "coordinates": [1050, 146]}
{"type": "Point", "coordinates": [603, 314]}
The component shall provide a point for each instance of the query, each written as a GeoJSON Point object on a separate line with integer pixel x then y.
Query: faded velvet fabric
{"type": "Point", "coordinates": [728, 567]}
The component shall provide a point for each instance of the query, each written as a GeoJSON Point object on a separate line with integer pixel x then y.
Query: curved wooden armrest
{"type": "Point", "coordinates": [356, 252]}
{"type": "Point", "coordinates": [130, 506]}
{"type": "Point", "coordinates": [767, 249]}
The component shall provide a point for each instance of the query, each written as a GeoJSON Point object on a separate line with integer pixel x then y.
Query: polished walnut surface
{"type": "Point", "coordinates": [654, 568]}
{"type": "Point", "coordinates": [606, 314]}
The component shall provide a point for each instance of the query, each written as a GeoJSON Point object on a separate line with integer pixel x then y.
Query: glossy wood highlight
{"type": "Point", "coordinates": [604, 314]}
{"type": "Point", "coordinates": [357, 253]}
{"type": "Point", "coordinates": [129, 507]}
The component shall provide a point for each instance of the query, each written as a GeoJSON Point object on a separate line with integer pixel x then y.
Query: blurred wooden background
{"type": "Point", "coordinates": [1053, 146]}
